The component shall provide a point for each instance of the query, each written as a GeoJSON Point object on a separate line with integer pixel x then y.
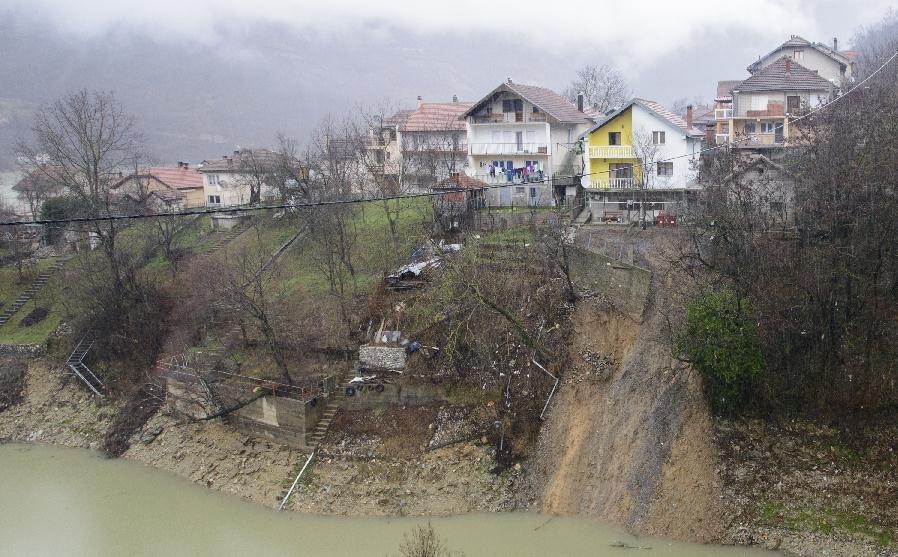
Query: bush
{"type": "Point", "coordinates": [59, 208]}
{"type": "Point", "coordinates": [721, 342]}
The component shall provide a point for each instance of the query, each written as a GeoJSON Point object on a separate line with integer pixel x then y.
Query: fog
{"type": "Point", "coordinates": [202, 77]}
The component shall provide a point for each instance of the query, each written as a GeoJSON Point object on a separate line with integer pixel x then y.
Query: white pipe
{"type": "Point", "coordinates": [555, 386]}
{"type": "Point", "coordinates": [296, 481]}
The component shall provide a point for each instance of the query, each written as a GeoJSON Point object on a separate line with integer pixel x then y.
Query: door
{"type": "Point", "coordinates": [778, 133]}
{"type": "Point", "coordinates": [533, 197]}
{"type": "Point", "coordinates": [505, 196]}
{"type": "Point", "coordinates": [519, 141]}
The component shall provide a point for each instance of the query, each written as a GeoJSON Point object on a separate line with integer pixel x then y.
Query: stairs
{"type": "Point", "coordinates": [224, 239]}
{"type": "Point", "coordinates": [583, 217]}
{"type": "Point", "coordinates": [329, 412]}
{"type": "Point", "coordinates": [29, 292]}
{"type": "Point", "coordinates": [76, 365]}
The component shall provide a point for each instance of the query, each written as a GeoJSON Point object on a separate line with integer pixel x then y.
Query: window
{"type": "Point", "coordinates": [536, 110]}
{"type": "Point", "coordinates": [519, 191]}
{"type": "Point", "coordinates": [798, 55]}
{"type": "Point", "coordinates": [759, 102]}
{"type": "Point", "coordinates": [768, 127]}
{"type": "Point", "coordinates": [749, 127]}
{"type": "Point", "coordinates": [215, 199]}
{"type": "Point", "coordinates": [512, 105]}
{"type": "Point", "coordinates": [613, 138]}
{"type": "Point", "coordinates": [621, 170]}
{"type": "Point", "coordinates": [665, 169]}
{"type": "Point", "coordinates": [213, 179]}
{"type": "Point", "coordinates": [793, 104]}
{"type": "Point", "coordinates": [657, 138]}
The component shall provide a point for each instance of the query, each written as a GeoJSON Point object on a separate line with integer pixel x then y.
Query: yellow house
{"type": "Point", "coordinates": [641, 134]}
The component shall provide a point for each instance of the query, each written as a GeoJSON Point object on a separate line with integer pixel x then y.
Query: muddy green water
{"type": "Point", "coordinates": [67, 502]}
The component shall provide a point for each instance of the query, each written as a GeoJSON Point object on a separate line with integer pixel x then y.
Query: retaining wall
{"type": "Point", "coordinates": [626, 285]}
{"type": "Point", "coordinates": [23, 350]}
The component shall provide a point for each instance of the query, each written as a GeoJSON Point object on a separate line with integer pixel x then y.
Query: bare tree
{"type": "Point", "coordinates": [647, 148]}
{"type": "Point", "coordinates": [424, 542]}
{"type": "Point", "coordinates": [603, 87]}
{"type": "Point", "coordinates": [87, 139]}
{"type": "Point", "coordinates": [36, 186]}
{"type": "Point", "coordinates": [256, 170]}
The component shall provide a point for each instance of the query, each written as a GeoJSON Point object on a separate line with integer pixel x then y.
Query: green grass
{"type": "Point", "coordinates": [824, 520]}
{"type": "Point", "coordinates": [12, 332]}
{"type": "Point", "coordinates": [513, 235]}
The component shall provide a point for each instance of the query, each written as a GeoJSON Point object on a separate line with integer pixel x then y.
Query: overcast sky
{"type": "Point", "coordinates": [203, 76]}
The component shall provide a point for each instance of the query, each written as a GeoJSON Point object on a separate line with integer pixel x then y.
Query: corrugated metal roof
{"type": "Point", "coordinates": [784, 75]}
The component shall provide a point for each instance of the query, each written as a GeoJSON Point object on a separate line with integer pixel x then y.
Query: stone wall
{"type": "Point", "coordinates": [626, 285]}
{"type": "Point", "coordinates": [381, 356]}
{"type": "Point", "coordinates": [23, 350]}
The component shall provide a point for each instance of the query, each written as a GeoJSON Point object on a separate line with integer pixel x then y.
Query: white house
{"type": "Point", "coordinates": [228, 181]}
{"type": "Point", "coordinates": [523, 136]}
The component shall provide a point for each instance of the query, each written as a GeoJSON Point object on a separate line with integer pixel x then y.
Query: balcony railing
{"type": "Point", "coordinates": [722, 138]}
{"type": "Point", "coordinates": [509, 118]}
{"type": "Point", "coordinates": [501, 178]}
{"type": "Point", "coordinates": [509, 148]}
{"type": "Point", "coordinates": [723, 113]}
{"type": "Point", "coordinates": [612, 152]}
{"type": "Point", "coordinates": [612, 183]}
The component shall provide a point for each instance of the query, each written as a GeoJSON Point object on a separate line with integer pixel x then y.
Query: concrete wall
{"type": "Point", "coordinates": [627, 286]}
{"type": "Point", "coordinates": [406, 392]}
{"type": "Point", "coordinates": [283, 420]}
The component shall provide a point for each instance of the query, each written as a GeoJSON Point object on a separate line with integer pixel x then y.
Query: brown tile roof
{"type": "Point", "coordinates": [725, 88]}
{"type": "Point", "coordinates": [547, 100]}
{"type": "Point", "coordinates": [234, 162]}
{"type": "Point", "coordinates": [177, 177]}
{"type": "Point", "coordinates": [784, 75]}
{"type": "Point", "coordinates": [800, 42]}
{"type": "Point", "coordinates": [437, 117]}
{"type": "Point", "coordinates": [460, 181]}
{"type": "Point", "coordinates": [44, 178]}
{"type": "Point", "coordinates": [653, 107]}
{"type": "Point", "coordinates": [168, 195]}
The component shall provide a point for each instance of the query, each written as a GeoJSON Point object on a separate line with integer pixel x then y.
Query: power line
{"type": "Point", "coordinates": [282, 206]}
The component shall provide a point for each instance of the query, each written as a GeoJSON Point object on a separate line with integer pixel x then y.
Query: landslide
{"type": "Point", "coordinates": [629, 436]}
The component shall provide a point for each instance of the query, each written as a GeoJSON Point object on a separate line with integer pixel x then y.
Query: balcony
{"type": "Point", "coordinates": [612, 152]}
{"type": "Point", "coordinates": [509, 118]}
{"type": "Point", "coordinates": [612, 183]}
{"type": "Point", "coordinates": [757, 139]}
{"type": "Point", "coordinates": [723, 113]}
{"type": "Point", "coordinates": [509, 148]}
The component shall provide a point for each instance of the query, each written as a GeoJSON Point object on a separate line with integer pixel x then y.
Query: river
{"type": "Point", "coordinates": [56, 501]}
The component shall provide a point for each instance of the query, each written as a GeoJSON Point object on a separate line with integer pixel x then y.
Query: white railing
{"type": "Point", "coordinates": [509, 118]}
{"type": "Point", "coordinates": [612, 183]}
{"type": "Point", "coordinates": [723, 113]}
{"type": "Point", "coordinates": [722, 138]}
{"type": "Point", "coordinates": [612, 152]}
{"type": "Point", "coordinates": [509, 148]}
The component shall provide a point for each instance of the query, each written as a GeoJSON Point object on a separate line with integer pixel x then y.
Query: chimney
{"type": "Point", "coordinates": [420, 101]}
{"type": "Point", "coordinates": [836, 44]}
{"type": "Point", "coordinates": [580, 101]}
{"type": "Point", "coordinates": [236, 152]}
{"type": "Point", "coordinates": [509, 80]}
{"type": "Point", "coordinates": [455, 98]}
{"type": "Point", "coordinates": [688, 117]}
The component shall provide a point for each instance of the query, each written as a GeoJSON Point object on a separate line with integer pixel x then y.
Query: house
{"type": "Point", "coordinates": [38, 185]}
{"type": "Point", "coordinates": [833, 65]}
{"type": "Point", "coordinates": [232, 179]}
{"type": "Point", "coordinates": [180, 185]}
{"type": "Point", "coordinates": [763, 104]}
{"type": "Point", "coordinates": [640, 153]}
{"type": "Point", "coordinates": [422, 146]}
{"type": "Point", "coordinates": [522, 138]}
{"type": "Point", "coordinates": [771, 187]}
{"type": "Point", "coordinates": [723, 110]}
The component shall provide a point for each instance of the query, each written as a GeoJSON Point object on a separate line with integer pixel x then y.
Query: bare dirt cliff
{"type": "Point", "coordinates": [629, 437]}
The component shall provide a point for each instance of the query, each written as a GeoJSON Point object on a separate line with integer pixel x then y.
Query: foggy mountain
{"type": "Point", "coordinates": [193, 101]}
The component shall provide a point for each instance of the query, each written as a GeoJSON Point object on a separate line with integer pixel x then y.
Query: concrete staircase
{"type": "Point", "coordinates": [224, 239]}
{"type": "Point", "coordinates": [583, 217]}
{"type": "Point", "coordinates": [39, 282]}
{"type": "Point", "coordinates": [329, 412]}
{"type": "Point", "coordinates": [76, 365]}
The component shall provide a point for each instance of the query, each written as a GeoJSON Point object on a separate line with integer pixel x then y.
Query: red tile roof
{"type": "Point", "coordinates": [547, 100]}
{"type": "Point", "coordinates": [177, 177]}
{"type": "Point", "coordinates": [784, 75]}
{"type": "Point", "coordinates": [437, 117]}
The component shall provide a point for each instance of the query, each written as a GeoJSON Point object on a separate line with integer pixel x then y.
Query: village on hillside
{"type": "Point", "coordinates": [565, 302]}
